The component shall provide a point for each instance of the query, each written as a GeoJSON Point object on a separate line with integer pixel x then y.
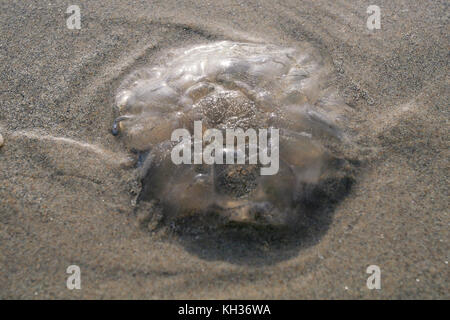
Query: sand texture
{"type": "Point", "coordinates": [68, 187]}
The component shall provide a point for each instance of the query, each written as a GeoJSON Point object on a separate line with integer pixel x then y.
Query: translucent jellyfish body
{"type": "Point", "coordinates": [229, 85]}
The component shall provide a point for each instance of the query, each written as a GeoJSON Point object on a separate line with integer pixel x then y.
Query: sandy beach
{"type": "Point", "coordinates": [68, 187]}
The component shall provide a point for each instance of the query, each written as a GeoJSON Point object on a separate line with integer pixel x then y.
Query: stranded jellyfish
{"type": "Point", "coordinates": [231, 85]}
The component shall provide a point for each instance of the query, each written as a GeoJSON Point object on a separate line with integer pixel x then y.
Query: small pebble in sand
{"type": "Point", "coordinates": [1, 140]}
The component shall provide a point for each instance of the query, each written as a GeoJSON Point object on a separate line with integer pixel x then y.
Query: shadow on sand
{"type": "Point", "coordinates": [263, 245]}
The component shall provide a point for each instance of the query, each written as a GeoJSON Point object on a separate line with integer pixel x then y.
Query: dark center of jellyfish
{"type": "Point", "coordinates": [232, 110]}
{"type": "Point", "coordinates": [235, 180]}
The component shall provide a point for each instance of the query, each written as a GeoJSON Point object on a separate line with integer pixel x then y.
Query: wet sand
{"type": "Point", "coordinates": [68, 186]}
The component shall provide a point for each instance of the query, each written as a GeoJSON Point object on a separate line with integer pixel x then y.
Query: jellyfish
{"type": "Point", "coordinates": [230, 85]}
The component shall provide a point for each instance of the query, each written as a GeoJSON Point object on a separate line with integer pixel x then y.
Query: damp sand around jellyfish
{"type": "Point", "coordinates": [230, 85]}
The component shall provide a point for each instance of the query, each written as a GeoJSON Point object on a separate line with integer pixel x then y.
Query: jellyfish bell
{"type": "Point", "coordinates": [234, 86]}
